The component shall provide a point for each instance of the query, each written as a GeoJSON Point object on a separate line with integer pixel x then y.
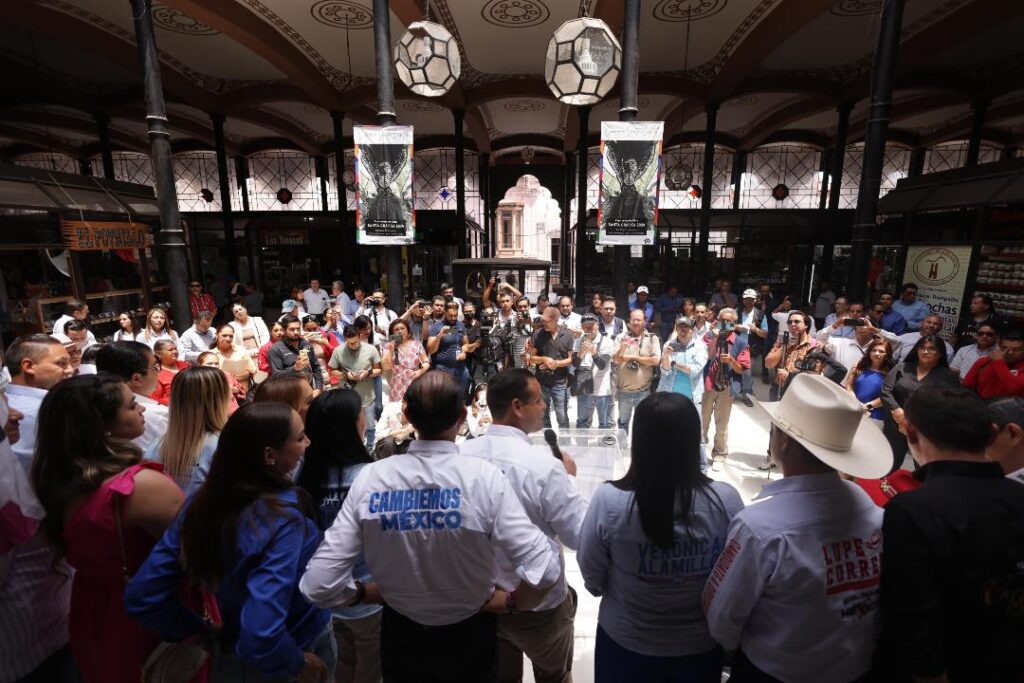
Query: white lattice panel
{"type": "Point", "coordinates": [895, 166]}
{"type": "Point", "coordinates": [51, 161]}
{"type": "Point", "coordinates": [283, 169]}
{"type": "Point", "coordinates": [793, 165]}
{"type": "Point", "coordinates": [129, 167]}
{"type": "Point", "coordinates": [196, 171]}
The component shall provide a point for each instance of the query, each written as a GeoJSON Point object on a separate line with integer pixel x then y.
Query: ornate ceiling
{"type": "Point", "coordinates": [778, 69]}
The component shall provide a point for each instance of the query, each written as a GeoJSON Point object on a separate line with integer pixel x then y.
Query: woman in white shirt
{"type": "Point", "coordinates": [647, 546]}
{"type": "Point", "coordinates": [250, 333]}
{"type": "Point", "coordinates": [156, 328]}
{"type": "Point", "coordinates": [126, 330]}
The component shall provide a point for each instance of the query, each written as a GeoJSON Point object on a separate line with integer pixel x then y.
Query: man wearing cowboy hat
{"type": "Point", "coordinates": [796, 587]}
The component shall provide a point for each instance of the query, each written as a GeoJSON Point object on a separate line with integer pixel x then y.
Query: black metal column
{"type": "Point", "coordinates": [836, 186]}
{"type": "Point", "coordinates": [581, 198]}
{"type": "Point", "coordinates": [825, 168]}
{"type": "Point", "coordinates": [349, 249]}
{"type": "Point", "coordinates": [865, 231]}
{"type": "Point", "coordinates": [739, 167]}
{"type": "Point", "coordinates": [916, 162]}
{"type": "Point", "coordinates": [386, 117]}
{"type": "Point", "coordinates": [700, 273]}
{"type": "Point", "coordinates": [320, 162]}
{"type": "Point", "coordinates": [84, 166]}
{"type": "Point", "coordinates": [172, 239]}
{"type": "Point", "coordinates": [242, 176]}
{"type": "Point", "coordinates": [103, 127]}
{"type": "Point", "coordinates": [627, 112]}
{"type": "Point", "coordinates": [977, 123]}
{"type": "Point", "coordinates": [226, 213]}
{"type": "Point", "coordinates": [458, 116]}
{"type": "Point", "coordinates": [567, 185]}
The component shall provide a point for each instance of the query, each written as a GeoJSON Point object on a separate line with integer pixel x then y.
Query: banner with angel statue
{"type": "Point", "coordinates": [384, 175]}
{"type": "Point", "coordinates": [627, 208]}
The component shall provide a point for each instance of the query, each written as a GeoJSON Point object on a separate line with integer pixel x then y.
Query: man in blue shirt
{"type": "Point", "coordinates": [447, 345]}
{"type": "Point", "coordinates": [642, 304]}
{"type": "Point", "coordinates": [891, 320]}
{"type": "Point", "coordinates": [669, 305]}
{"type": "Point", "coordinates": [753, 325]}
{"type": "Point", "coordinates": [912, 310]}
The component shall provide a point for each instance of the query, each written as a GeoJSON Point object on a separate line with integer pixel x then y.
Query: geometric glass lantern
{"type": "Point", "coordinates": [427, 59]}
{"type": "Point", "coordinates": [582, 62]}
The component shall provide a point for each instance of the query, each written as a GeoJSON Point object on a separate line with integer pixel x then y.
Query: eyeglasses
{"type": "Point", "coordinates": [795, 322]}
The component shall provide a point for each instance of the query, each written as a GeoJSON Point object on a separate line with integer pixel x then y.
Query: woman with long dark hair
{"type": "Point", "coordinates": [336, 427]}
{"type": "Point", "coordinates": [647, 545]}
{"type": "Point", "coordinates": [125, 327]}
{"type": "Point", "coordinates": [867, 376]}
{"type": "Point", "coordinates": [104, 511]}
{"type": "Point", "coordinates": [925, 365]}
{"type": "Point", "coordinates": [247, 535]}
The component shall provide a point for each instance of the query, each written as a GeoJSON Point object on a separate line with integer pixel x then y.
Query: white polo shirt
{"type": "Point", "coordinates": [431, 523]}
{"type": "Point", "coordinates": [546, 491]}
{"type": "Point", "coordinates": [847, 350]}
{"type": "Point", "coordinates": [315, 302]}
{"type": "Point", "coordinates": [156, 417]}
{"type": "Point", "coordinates": [26, 400]}
{"type": "Point", "coordinates": [906, 345]}
{"type": "Point", "coordinates": [796, 586]}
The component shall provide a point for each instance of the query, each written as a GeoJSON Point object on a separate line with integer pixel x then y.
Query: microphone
{"type": "Point", "coordinates": [785, 339]}
{"type": "Point", "coordinates": [552, 439]}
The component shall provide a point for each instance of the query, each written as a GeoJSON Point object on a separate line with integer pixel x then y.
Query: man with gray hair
{"type": "Point", "coordinates": [930, 325]}
{"type": "Point", "coordinates": [728, 357]}
{"type": "Point", "coordinates": [37, 362]}
{"type": "Point", "coordinates": [198, 338]}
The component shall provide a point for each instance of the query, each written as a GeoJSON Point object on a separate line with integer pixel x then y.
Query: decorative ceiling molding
{"type": "Point", "coordinates": [175, 20]}
{"type": "Point", "coordinates": [856, 8]}
{"type": "Point", "coordinates": [342, 14]}
{"type": "Point", "coordinates": [524, 106]}
{"type": "Point", "coordinates": [515, 13]}
{"type": "Point", "coordinates": [421, 106]}
{"type": "Point", "coordinates": [707, 71]}
{"type": "Point", "coordinates": [687, 10]}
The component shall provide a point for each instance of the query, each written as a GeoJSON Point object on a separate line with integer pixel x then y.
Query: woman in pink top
{"type": "Point", "coordinates": [405, 360]}
{"type": "Point", "coordinates": [276, 333]}
{"type": "Point", "coordinates": [90, 479]}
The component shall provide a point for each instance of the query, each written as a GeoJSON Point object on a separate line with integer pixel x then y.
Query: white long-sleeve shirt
{"type": "Point", "coordinates": [546, 491]}
{"type": "Point", "coordinates": [796, 586]}
{"type": "Point", "coordinates": [849, 351]}
{"type": "Point", "coordinates": [906, 345]}
{"type": "Point", "coordinates": [431, 523]}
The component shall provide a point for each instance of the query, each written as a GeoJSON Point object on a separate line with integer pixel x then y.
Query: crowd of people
{"type": "Point", "coordinates": [350, 493]}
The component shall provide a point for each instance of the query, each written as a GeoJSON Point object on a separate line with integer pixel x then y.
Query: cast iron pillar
{"type": "Point", "coordinates": [739, 167]}
{"type": "Point", "coordinates": [700, 273]}
{"type": "Point", "coordinates": [227, 215]}
{"type": "Point", "coordinates": [461, 234]}
{"type": "Point", "coordinates": [171, 236]}
{"type": "Point", "coordinates": [581, 198]}
{"type": "Point", "coordinates": [627, 112]}
{"type": "Point", "coordinates": [242, 176]}
{"type": "Point", "coordinates": [103, 128]}
{"type": "Point", "coordinates": [349, 253]}
{"type": "Point", "coordinates": [386, 117]}
{"type": "Point", "coordinates": [835, 189]}
{"type": "Point", "coordinates": [865, 230]}
{"type": "Point", "coordinates": [567, 184]}
{"type": "Point", "coordinates": [977, 123]}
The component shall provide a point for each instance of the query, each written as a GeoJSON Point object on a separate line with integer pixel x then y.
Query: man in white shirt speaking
{"type": "Point", "coordinates": [796, 588]}
{"type": "Point", "coordinates": [432, 523]}
{"type": "Point", "coordinates": [552, 502]}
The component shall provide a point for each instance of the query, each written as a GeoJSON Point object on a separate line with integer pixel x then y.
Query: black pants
{"type": "Point", "coordinates": [466, 652]}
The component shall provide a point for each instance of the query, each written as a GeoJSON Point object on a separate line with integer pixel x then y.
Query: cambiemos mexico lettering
{"type": "Point", "coordinates": [417, 509]}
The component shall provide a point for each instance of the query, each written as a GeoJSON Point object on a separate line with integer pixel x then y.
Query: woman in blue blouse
{"type": "Point", "coordinates": [247, 535]}
{"type": "Point", "coordinates": [866, 378]}
{"type": "Point", "coordinates": [336, 426]}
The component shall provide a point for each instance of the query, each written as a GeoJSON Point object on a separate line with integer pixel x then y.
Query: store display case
{"type": "Point", "coordinates": [104, 309]}
{"type": "Point", "coordinates": [1001, 276]}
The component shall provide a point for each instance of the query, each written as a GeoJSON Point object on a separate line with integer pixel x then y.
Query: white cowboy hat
{"type": "Point", "coordinates": [831, 423]}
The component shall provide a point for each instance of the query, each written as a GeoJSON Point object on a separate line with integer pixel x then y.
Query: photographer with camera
{"type": "Point", "coordinates": [849, 351]}
{"type": "Point", "coordinates": [448, 346]}
{"type": "Point", "coordinates": [418, 319]}
{"type": "Point", "coordinates": [592, 360]}
{"type": "Point", "coordinates": [549, 353]}
{"type": "Point", "coordinates": [753, 323]}
{"type": "Point", "coordinates": [728, 357]}
{"type": "Point", "coordinates": [789, 352]}
{"type": "Point", "coordinates": [637, 353]}
{"type": "Point", "coordinates": [514, 335]}
{"type": "Point", "coordinates": [506, 295]}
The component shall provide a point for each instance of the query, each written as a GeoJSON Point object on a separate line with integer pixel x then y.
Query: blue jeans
{"type": "Point", "coordinates": [370, 412]}
{"type": "Point", "coordinates": [585, 404]}
{"type": "Point", "coordinates": [614, 664]}
{"type": "Point", "coordinates": [378, 396]}
{"type": "Point", "coordinates": [746, 383]}
{"type": "Point", "coordinates": [627, 401]}
{"type": "Point", "coordinates": [557, 393]}
{"type": "Point", "coordinates": [703, 446]}
{"type": "Point", "coordinates": [228, 668]}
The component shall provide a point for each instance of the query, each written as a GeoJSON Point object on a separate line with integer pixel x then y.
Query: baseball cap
{"type": "Point", "coordinates": [588, 318]}
{"type": "Point", "coordinates": [684, 320]}
{"type": "Point", "coordinates": [642, 289]}
{"type": "Point", "coordinates": [749, 294]}
{"type": "Point", "coordinates": [288, 305]}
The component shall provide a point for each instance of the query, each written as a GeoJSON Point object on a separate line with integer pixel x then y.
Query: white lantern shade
{"type": "Point", "coordinates": [583, 61]}
{"type": "Point", "coordinates": [427, 59]}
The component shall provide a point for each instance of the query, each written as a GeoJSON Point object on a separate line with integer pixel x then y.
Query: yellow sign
{"type": "Point", "coordinates": [101, 235]}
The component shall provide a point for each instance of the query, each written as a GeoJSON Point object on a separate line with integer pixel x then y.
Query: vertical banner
{"type": "Point", "coordinates": [384, 174]}
{"type": "Point", "coordinates": [627, 208]}
{"type": "Point", "coordinates": [940, 274]}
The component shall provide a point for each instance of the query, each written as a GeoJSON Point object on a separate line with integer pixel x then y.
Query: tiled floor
{"type": "Point", "coordinates": [748, 442]}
